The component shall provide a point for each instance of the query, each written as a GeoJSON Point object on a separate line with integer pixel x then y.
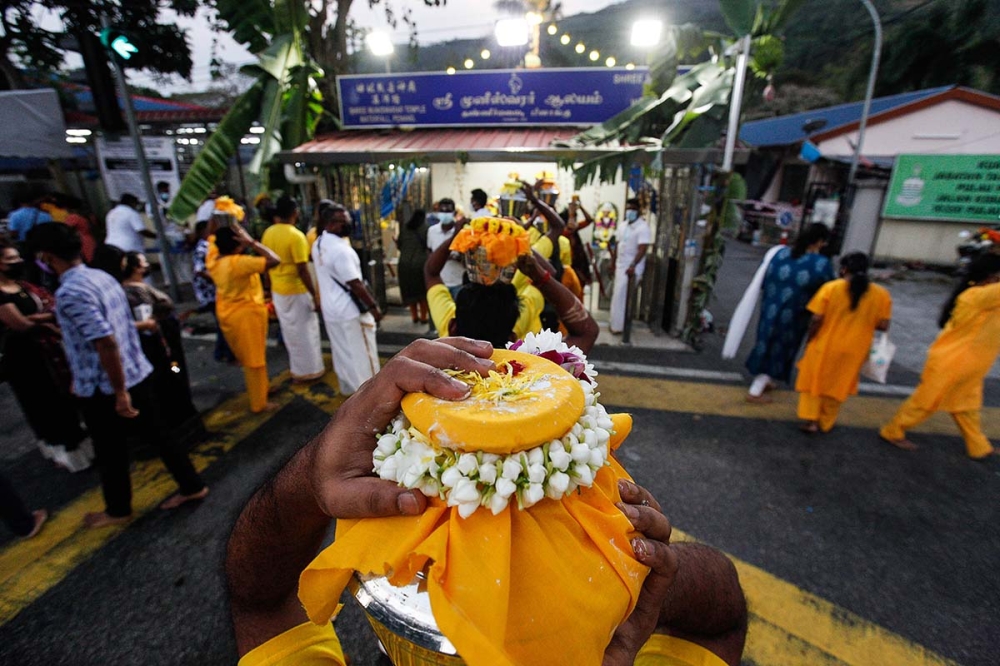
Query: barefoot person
{"type": "Point", "coordinates": [957, 361]}
{"type": "Point", "coordinates": [690, 609]}
{"type": "Point", "coordinates": [111, 376]}
{"type": "Point", "coordinates": [239, 302]}
{"type": "Point", "coordinates": [845, 315]}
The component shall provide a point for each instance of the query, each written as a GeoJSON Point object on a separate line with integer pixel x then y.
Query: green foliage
{"type": "Point", "coordinates": [739, 15]}
{"type": "Point", "coordinates": [285, 100]}
{"type": "Point", "coordinates": [24, 39]}
{"type": "Point", "coordinates": [768, 54]}
{"type": "Point", "coordinates": [213, 160]}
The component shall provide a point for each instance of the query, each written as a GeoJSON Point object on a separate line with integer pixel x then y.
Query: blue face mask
{"type": "Point", "coordinates": [631, 215]}
{"type": "Point", "coordinates": [446, 218]}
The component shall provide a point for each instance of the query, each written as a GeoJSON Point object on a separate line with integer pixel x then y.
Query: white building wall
{"type": "Point", "coordinates": [950, 128]}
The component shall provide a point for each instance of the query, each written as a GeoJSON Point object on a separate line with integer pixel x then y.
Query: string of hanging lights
{"type": "Point", "coordinates": [564, 39]}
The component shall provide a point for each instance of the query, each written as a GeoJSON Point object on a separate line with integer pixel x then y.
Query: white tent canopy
{"type": "Point", "coordinates": [32, 125]}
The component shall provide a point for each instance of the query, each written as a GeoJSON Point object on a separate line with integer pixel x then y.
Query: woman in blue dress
{"type": "Point", "coordinates": [793, 276]}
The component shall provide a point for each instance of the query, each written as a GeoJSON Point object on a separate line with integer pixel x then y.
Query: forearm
{"type": "Point", "coordinates": [435, 264]}
{"type": "Point", "coordinates": [705, 599]}
{"type": "Point", "coordinates": [639, 255]}
{"type": "Point", "coordinates": [306, 277]}
{"type": "Point", "coordinates": [359, 289]}
{"type": "Point", "coordinates": [111, 362]}
{"type": "Point", "coordinates": [275, 537]}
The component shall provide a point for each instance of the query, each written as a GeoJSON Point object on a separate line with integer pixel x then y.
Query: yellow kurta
{"type": "Point", "coordinates": [832, 361]}
{"type": "Point", "coordinates": [962, 354]}
{"type": "Point", "coordinates": [239, 304]}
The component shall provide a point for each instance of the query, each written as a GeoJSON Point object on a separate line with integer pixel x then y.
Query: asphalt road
{"type": "Point", "coordinates": [896, 548]}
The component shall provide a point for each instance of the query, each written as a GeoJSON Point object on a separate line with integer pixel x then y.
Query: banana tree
{"type": "Point", "coordinates": [689, 111]}
{"type": "Point", "coordinates": [284, 98]}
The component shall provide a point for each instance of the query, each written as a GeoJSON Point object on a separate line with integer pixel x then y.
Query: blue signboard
{"type": "Point", "coordinates": [488, 98]}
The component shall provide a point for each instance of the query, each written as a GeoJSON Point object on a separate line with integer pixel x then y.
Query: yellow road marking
{"type": "Point", "coordinates": [724, 400]}
{"type": "Point", "coordinates": [30, 568]}
{"type": "Point", "coordinates": [789, 626]}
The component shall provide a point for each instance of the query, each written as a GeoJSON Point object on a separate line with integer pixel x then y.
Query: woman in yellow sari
{"type": "Point", "coordinates": [239, 304]}
{"type": "Point", "coordinates": [845, 315]}
{"type": "Point", "coordinates": [957, 361]}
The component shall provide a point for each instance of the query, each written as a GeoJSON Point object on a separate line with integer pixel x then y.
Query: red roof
{"type": "Point", "coordinates": [435, 145]}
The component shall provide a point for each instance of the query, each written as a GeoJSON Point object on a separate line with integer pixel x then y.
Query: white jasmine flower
{"type": "Point", "coordinates": [511, 469]}
{"type": "Point", "coordinates": [536, 456]}
{"type": "Point", "coordinates": [602, 435]}
{"type": "Point", "coordinates": [536, 473]}
{"type": "Point", "coordinates": [584, 475]}
{"type": "Point", "coordinates": [488, 473]}
{"type": "Point", "coordinates": [606, 423]}
{"type": "Point", "coordinates": [464, 492]}
{"type": "Point", "coordinates": [560, 459]}
{"type": "Point", "coordinates": [466, 509]}
{"type": "Point", "coordinates": [576, 430]}
{"type": "Point", "coordinates": [597, 458]}
{"type": "Point", "coordinates": [389, 467]}
{"type": "Point", "coordinates": [590, 439]}
{"type": "Point", "coordinates": [430, 487]}
{"type": "Point", "coordinates": [505, 487]}
{"type": "Point", "coordinates": [556, 486]}
{"type": "Point", "coordinates": [532, 495]}
{"type": "Point", "coordinates": [450, 477]}
{"type": "Point", "coordinates": [467, 463]}
{"type": "Point", "coordinates": [498, 503]}
{"type": "Point", "coordinates": [387, 444]}
{"type": "Point", "coordinates": [580, 453]}
{"type": "Point", "coordinates": [489, 458]}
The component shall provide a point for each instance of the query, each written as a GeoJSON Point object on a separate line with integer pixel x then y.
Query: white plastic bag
{"type": "Point", "coordinates": [876, 368]}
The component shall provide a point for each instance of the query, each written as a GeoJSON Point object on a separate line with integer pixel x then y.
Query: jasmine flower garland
{"type": "Point", "coordinates": [469, 480]}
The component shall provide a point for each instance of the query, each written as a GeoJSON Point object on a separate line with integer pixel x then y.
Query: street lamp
{"type": "Point", "coordinates": [646, 33]}
{"type": "Point", "coordinates": [380, 44]}
{"type": "Point", "coordinates": [512, 32]}
{"type": "Point", "coordinates": [872, 75]}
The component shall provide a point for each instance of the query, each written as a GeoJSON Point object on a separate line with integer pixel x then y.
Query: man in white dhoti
{"type": "Point", "coordinates": [293, 294]}
{"type": "Point", "coordinates": [628, 261]}
{"type": "Point", "coordinates": [349, 308]}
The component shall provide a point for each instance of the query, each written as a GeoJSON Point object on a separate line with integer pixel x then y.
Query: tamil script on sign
{"type": "Point", "coordinates": [497, 97]}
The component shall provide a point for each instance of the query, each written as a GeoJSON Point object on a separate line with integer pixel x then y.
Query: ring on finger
{"type": "Point", "coordinates": [645, 502]}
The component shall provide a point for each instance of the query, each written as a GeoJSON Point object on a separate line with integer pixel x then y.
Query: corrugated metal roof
{"type": "Point", "coordinates": [513, 143]}
{"type": "Point", "coordinates": [787, 130]}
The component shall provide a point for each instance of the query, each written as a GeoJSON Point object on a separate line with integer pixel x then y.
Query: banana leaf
{"type": "Point", "coordinates": [303, 105]}
{"type": "Point", "coordinates": [249, 21]}
{"type": "Point", "coordinates": [270, 139]}
{"type": "Point", "coordinates": [220, 147]}
{"type": "Point", "coordinates": [778, 18]}
{"type": "Point", "coordinates": [739, 15]}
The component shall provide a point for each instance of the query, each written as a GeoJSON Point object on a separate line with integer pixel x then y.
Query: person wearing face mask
{"type": "Point", "coordinates": [160, 337]}
{"type": "Point", "coordinates": [34, 364]}
{"type": "Point", "coordinates": [349, 308]}
{"type": "Point", "coordinates": [111, 376]}
{"type": "Point", "coordinates": [453, 272]}
{"type": "Point", "coordinates": [628, 261]}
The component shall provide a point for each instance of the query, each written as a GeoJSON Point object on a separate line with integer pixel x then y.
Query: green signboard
{"type": "Point", "coordinates": [954, 188]}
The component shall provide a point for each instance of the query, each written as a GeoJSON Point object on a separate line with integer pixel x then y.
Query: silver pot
{"type": "Point", "coordinates": [402, 619]}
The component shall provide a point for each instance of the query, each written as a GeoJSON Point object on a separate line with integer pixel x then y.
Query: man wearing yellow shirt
{"type": "Point", "coordinates": [295, 298]}
{"type": "Point", "coordinates": [690, 611]}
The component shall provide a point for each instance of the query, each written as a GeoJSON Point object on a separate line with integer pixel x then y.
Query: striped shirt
{"type": "Point", "coordinates": [90, 304]}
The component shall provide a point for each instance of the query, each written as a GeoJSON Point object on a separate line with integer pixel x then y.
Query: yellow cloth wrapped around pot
{"type": "Point", "coordinates": [547, 584]}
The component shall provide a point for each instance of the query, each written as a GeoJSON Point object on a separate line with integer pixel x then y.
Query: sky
{"type": "Point", "coordinates": [465, 19]}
